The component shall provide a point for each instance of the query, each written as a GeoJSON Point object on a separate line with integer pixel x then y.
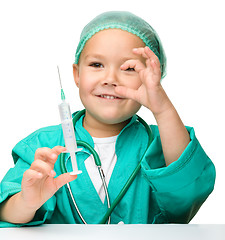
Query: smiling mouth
{"type": "Point", "coordinates": [111, 97]}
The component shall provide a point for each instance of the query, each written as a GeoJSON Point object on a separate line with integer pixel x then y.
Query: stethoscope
{"type": "Point", "coordinates": [101, 173]}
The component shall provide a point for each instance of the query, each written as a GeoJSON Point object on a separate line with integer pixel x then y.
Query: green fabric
{"type": "Point", "coordinates": [128, 22]}
{"type": "Point", "coordinates": [158, 194]}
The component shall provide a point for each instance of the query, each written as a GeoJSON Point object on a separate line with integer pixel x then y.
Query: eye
{"type": "Point", "coordinates": [130, 69]}
{"type": "Point", "coordinates": [96, 65]}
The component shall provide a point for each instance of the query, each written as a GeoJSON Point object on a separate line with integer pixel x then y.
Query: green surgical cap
{"type": "Point", "coordinates": [128, 22]}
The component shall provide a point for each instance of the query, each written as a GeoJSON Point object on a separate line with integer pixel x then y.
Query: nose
{"type": "Point", "coordinates": [110, 78]}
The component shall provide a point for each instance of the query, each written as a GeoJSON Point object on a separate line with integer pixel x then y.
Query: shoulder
{"type": "Point", "coordinates": [44, 137]}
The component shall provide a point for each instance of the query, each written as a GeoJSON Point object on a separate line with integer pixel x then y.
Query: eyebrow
{"type": "Point", "coordinates": [93, 56]}
{"type": "Point", "coordinates": [100, 56]}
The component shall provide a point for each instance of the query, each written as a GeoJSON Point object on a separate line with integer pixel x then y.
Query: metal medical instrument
{"type": "Point", "coordinates": [71, 146]}
{"type": "Point", "coordinates": [98, 164]}
{"type": "Point", "coordinates": [68, 130]}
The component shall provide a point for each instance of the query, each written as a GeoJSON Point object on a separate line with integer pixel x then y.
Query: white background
{"type": "Point", "coordinates": [36, 36]}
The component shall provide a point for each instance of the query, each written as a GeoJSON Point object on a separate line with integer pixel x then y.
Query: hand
{"type": "Point", "coordinates": [173, 134]}
{"type": "Point", "coordinates": [150, 93]}
{"type": "Point", "coordinates": [38, 183]}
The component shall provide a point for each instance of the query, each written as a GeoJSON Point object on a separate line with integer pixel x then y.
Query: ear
{"type": "Point", "coordinates": [76, 74]}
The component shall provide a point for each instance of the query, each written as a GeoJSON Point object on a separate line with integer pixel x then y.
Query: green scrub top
{"type": "Point", "coordinates": [159, 194]}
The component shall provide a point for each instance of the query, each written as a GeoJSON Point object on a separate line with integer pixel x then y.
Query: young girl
{"type": "Point", "coordinates": [118, 67]}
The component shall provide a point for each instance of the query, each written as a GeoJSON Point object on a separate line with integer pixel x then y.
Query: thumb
{"type": "Point", "coordinates": [125, 92]}
{"type": "Point", "coordinates": [63, 179]}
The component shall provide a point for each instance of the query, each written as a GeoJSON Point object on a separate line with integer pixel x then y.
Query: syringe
{"type": "Point", "coordinates": [68, 130]}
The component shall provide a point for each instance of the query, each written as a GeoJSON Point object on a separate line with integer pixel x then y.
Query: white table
{"type": "Point", "coordinates": [116, 232]}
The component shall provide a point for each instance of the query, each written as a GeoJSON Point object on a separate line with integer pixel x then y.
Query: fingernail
{"type": "Point", "coordinates": [135, 49]}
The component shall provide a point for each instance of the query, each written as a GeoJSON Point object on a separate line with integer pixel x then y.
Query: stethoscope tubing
{"type": "Point", "coordinates": [131, 178]}
{"type": "Point", "coordinates": [98, 163]}
{"type": "Point", "coordinates": [101, 173]}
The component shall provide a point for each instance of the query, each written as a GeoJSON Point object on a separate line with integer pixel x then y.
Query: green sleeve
{"type": "Point", "coordinates": [181, 188]}
{"type": "Point", "coordinates": [23, 155]}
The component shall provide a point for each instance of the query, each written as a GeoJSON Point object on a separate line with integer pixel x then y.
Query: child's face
{"type": "Point", "coordinates": [98, 74]}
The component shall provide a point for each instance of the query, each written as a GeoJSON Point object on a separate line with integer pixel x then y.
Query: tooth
{"type": "Point", "coordinates": [107, 96]}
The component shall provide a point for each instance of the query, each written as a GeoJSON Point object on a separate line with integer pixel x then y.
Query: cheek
{"type": "Point", "coordinates": [89, 79]}
{"type": "Point", "coordinates": [86, 85]}
{"type": "Point", "coordinates": [84, 88]}
{"type": "Point", "coordinates": [84, 81]}
{"type": "Point", "coordinates": [134, 82]}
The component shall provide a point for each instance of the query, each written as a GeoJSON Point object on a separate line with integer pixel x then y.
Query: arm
{"type": "Point", "coordinates": [14, 210]}
{"type": "Point", "coordinates": [38, 185]}
{"type": "Point", "coordinates": [181, 188]}
{"type": "Point", "coordinates": [173, 134]}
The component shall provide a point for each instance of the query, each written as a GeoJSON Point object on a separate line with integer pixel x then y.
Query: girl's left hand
{"type": "Point", "coordinates": [150, 93]}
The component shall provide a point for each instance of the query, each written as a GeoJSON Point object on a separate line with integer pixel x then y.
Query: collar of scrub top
{"type": "Point", "coordinates": [82, 133]}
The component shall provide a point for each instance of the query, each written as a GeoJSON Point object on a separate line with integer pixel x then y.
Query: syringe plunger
{"type": "Point", "coordinates": [69, 134]}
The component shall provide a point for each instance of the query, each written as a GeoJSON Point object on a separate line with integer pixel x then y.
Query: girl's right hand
{"type": "Point", "coordinates": [38, 183]}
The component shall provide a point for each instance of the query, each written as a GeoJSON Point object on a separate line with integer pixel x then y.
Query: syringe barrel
{"type": "Point", "coordinates": [67, 126]}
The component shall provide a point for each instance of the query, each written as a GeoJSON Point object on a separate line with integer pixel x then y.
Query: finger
{"type": "Point", "coordinates": [136, 64]}
{"type": "Point", "coordinates": [43, 167]}
{"type": "Point", "coordinates": [152, 62]}
{"type": "Point", "coordinates": [140, 51]}
{"type": "Point", "coordinates": [63, 179]}
{"type": "Point", "coordinates": [155, 67]}
{"type": "Point", "coordinates": [44, 154]}
{"type": "Point", "coordinates": [126, 92]}
{"type": "Point", "coordinates": [59, 149]}
{"type": "Point", "coordinates": [152, 56]}
{"type": "Point", "coordinates": [30, 176]}
{"type": "Point", "coordinates": [48, 154]}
